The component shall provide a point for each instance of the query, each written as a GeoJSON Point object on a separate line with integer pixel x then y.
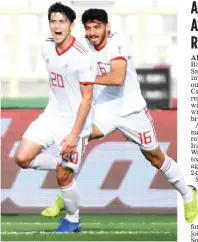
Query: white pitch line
{"type": "Point", "coordinates": [40, 223]}
{"type": "Point", "coordinates": [86, 232]}
{"type": "Point", "coordinates": [98, 223]}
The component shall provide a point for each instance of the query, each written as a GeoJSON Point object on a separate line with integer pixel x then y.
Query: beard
{"type": "Point", "coordinates": [102, 38]}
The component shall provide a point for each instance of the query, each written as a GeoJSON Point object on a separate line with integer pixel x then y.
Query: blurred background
{"type": "Point", "coordinates": [114, 177]}
{"type": "Point", "coordinates": [151, 26]}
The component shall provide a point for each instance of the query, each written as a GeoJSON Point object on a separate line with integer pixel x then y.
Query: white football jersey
{"type": "Point", "coordinates": [127, 97]}
{"type": "Point", "coordinates": [67, 70]}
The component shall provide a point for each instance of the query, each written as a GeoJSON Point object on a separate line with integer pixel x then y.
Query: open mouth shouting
{"type": "Point", "coordinates": [57, 35]}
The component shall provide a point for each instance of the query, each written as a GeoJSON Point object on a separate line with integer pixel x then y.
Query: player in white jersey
{"type": "Point", "coordinates": [131, 116]}
{"type": "Point", "coordinates": [120, 105]}
{"type": "Point", "coordinates": [67, 119]}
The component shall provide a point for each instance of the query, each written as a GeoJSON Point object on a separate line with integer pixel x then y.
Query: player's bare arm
{"type": "Point", "coordinates": [70, 141]}
{"type": "Point", "coordinates": [116, 76]}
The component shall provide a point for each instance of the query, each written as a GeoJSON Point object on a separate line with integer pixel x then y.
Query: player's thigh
{"type": "Point", "coordinates": [27, 150]}
{"type": "Point", "coordinates": [36, 137]}
{"type": "Point", "coordinates": [139, 128]}
{"type": "Point", "coordinates": [39, 131]}
{"type": "Point", "coordinates": [104, 123]}
{"type": "Point", "coordinates": [73, 160]}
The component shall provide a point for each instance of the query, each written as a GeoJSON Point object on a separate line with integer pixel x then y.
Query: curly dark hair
{"type": "Point", "coordinates": [94, 14]}
{"type": "Point", "coordinates": [58, 7]}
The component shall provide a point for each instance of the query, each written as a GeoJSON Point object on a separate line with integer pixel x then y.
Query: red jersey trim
{"type": "Point", "coordinates": [80, 45]}
{"type": "Point", "coordinates": [79, 48]}
{"type": "Point", "coordinates": [50, 39]}
{"type": "Point", "coordinates": [101, 47]}
{"type": "Point", "coordinates": [63, 52]}
{"type": "Point", "coordinates": [119, 58]}
{"type": "Point", "coordinates": [110, 34]}
{"type": "Point", "coordinates": [86, 83]}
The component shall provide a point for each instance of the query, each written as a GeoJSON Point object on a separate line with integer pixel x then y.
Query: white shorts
{"type": "Point", "coordinates": [41, 131]}
{"type": "Point", "coordinates": [73, 160]}
{"type": "Point", "coordinates": [136, 127]}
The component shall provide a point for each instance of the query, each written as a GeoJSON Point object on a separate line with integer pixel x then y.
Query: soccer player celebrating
{"type": "Point", "coordinates": [67, 119]}
{"type": "Point", "coordinates": [120, 105]}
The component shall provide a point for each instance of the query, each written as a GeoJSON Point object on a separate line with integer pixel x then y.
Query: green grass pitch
{"type": "Point", "coordinates": [93, 228]}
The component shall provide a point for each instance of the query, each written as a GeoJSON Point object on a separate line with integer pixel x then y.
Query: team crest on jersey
{"type": "Point", "coordinates": [65, 67]}
{"type": "Point", "coordinates": [119, 49]}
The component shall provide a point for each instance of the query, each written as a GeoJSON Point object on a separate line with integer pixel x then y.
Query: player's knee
{"type": "Point", "coordinates": [22, 160]}
{"type": "Point", "coordinates": [64, 176]}
{"type": "Point", "coordinates": [156, 157]}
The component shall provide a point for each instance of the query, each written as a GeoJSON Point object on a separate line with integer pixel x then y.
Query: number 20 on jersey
{"type": "Point", "coordinates": [56, 80]}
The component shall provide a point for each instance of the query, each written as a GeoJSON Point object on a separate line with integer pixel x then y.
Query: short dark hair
{"type": "Point", "coordinates": [94, 14]}
{"type": "Point", "coordinates": [58, 7]}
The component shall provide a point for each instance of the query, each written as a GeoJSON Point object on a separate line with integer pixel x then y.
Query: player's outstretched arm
{"type": "Point", "coordinates": [116, 76]}
{"type": "Point", "coordinates": [85, 105]}
{"type": "Point", "coordinates": [70, 141]}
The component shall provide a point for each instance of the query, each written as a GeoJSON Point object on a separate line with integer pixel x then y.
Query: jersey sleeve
{"type": "Point", "coordinates": [46, 46]}
{"type": "Point", "coordinates": [119, 49]}
{"type": "Point", "coordinates": [87, 70]}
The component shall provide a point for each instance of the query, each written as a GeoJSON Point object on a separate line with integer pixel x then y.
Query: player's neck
{"type": "Point", "coordinates": [65, 45]}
